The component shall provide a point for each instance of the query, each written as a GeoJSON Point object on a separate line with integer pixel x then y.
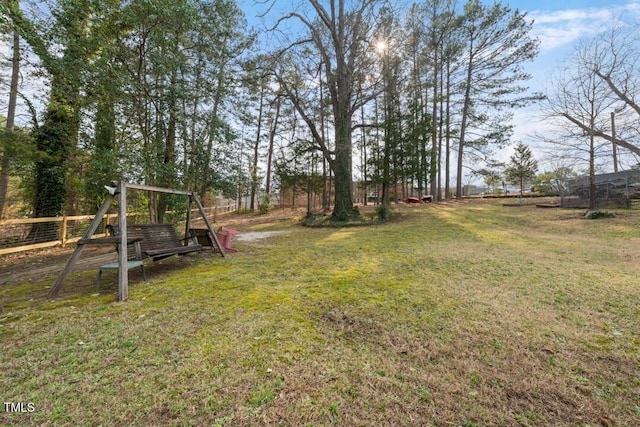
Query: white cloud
{"type": "Point", "coordinates": [564, 27]}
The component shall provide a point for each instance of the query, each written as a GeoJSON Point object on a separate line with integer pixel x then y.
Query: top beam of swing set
{"type": "Point", "coordinates": [119, 190]}
{"type": "Point", "coordinates": [152, 188]}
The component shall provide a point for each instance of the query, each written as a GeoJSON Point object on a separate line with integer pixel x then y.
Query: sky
{"type": "Point", "coordinates": [560, 25]}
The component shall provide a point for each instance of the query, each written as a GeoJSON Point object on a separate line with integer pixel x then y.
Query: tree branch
{"type": "Point", "coordinates": [622, 143]}
{"type": "Point", "coordinates": [620, 94]}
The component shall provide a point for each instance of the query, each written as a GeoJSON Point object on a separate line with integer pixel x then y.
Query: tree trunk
{"type": "Point", "coordinates": [11, 114]}
{"type": "Point", "coordinates": [272, 136]}
{"type": "Point", "coordinates": [363, 160]}
{"type": "Point", "coordinates": [447, 161]}
{"type": "Point", "coordinates": [593, 202]}
{"type": "Point", "coordinates": [433, 170]}
{"type": "Point", "coordinates": [168, 164]}
{"type": "Point", "coordinates": [465, 116]}
{"type": "Point", "coordinates": [440, 130]}
{"type": "Point", "coordinates": [343, 206]}
{"type": "Point", "coordinates": [103, 166]}
{"type": "Point", "coordinates": [214, 123]}
{"type": "Point", "coordinates": [326, 191]}
{"type": "Point", "coordinates": [254, 161]}
{"type": "Point", "coordinates": [386, 159]}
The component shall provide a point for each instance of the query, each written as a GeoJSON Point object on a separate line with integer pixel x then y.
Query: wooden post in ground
{"type": "Point", "coordinates": [206, 221]}
{"type": "Point", "coordinates": [123, 271]}
{"type": "Point", "coordinates": [63, 231]}
{"type": "Point", "coordinates": [53, 292]}
{"type": "Point", "coordinates": [188, 221]}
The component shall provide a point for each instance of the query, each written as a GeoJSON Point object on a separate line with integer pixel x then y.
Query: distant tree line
{"type": "Point", "coordinates": [181, 94]}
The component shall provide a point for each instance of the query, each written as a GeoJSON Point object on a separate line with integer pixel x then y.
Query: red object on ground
{"type": "Point", "coordinates": [413, 200]}
{"type": "Point", "coordinates": [225, 235]}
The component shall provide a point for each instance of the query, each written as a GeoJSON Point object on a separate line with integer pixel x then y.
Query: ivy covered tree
{"type": "Point", "coordinates": [64, 46]}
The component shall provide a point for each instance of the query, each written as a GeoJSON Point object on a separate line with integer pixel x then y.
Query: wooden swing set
{"type": "Point", "coordinates": [125, 236]}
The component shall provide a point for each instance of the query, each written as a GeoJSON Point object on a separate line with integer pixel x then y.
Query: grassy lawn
{"type": "Point", "coordinates": [461, 314]}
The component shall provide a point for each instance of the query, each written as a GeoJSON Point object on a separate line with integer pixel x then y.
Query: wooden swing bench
{"type": "Point", "coordinates": [156, 241]}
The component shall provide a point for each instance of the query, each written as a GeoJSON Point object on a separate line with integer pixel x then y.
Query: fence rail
{"type": "Point", "coordinates": [19, 235]}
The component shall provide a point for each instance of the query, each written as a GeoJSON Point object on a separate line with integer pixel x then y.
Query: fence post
{"type": "Point", "coordinates": [63, 231]}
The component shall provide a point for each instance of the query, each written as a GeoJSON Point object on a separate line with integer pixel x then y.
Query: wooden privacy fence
{"type": "Point", "coordinates": [19, 235]}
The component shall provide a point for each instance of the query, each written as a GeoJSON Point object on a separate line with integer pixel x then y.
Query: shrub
{"type": "Point", "coordinates": [383, 212]}
{"type": "Point", "coordinates": [265, 205]}
{"type": "Point", "coordinates": [599, 214]}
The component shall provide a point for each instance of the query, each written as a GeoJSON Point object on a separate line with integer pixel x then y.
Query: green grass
{"type": "Point", "coordinates": [453, 314]}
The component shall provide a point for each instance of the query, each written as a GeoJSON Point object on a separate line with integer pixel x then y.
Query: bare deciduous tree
{"type": "Point", "coordinates": [613, 59]}
{"type": "Point", "coordinates": [581, 99]}
{"type": "Point", "coordinates": [339, 33]}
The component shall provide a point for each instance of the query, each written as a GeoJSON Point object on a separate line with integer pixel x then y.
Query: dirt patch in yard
{"type": "Point", "coordinates": [42, 263]}
{"type": "Point", "coordinates": [252, 236]}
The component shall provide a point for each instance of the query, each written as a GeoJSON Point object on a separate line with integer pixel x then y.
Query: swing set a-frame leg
{"type": "Point", "coordinates": [55, 289]}
{"type": "Point", "coordinates": [208, 224]}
